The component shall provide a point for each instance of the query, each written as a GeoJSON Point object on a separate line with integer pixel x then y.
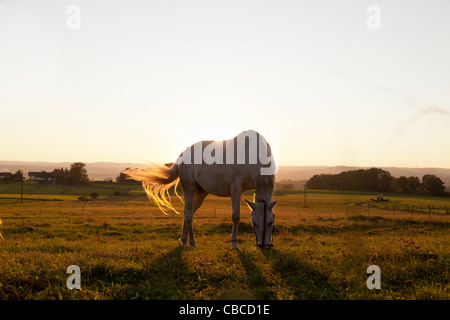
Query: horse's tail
{"type": "Point", "coordinates": [157, 180]}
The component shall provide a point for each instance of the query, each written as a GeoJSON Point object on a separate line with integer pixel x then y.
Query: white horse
{"type": "Point", "coordinates": [222, 168]}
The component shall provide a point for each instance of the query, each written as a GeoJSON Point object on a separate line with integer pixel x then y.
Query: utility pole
{"type": "Point", "coordinates": [304, 189]}
{"type": "Point", "coordinates": [21, 186]}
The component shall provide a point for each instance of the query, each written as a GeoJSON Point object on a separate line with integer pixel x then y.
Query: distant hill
{"type": "Point", "coordinates": [110, 170]}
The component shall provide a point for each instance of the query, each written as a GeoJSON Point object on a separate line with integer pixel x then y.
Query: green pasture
{"type": "Point", "coordinates": [127, 249]}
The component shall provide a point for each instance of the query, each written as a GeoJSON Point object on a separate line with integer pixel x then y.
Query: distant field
{"type": "Point", "coordinates": [127, 249]}
{"type": "Point", "coordinates": [36, 197]}
{"type": "Point", "coordinates": [104, 189]}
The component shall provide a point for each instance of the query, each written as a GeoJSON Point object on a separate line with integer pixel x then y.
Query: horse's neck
{"type": "Point", "coordinates": [264, 188]}
{"type": "Point", "coordinates": [263, 197]}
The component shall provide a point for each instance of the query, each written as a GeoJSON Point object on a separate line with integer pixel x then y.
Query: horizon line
{"type": "Point", "coordinates": [144, 163]}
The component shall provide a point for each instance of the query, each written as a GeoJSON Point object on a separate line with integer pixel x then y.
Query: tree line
{"type": "Point", "coordinates": [77, 175]}
{"type": "Point", "coordinates": [377, 180]}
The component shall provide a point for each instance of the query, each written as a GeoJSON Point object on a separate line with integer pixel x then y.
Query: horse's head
{"type": "Point", "coordinates": [263, 222]}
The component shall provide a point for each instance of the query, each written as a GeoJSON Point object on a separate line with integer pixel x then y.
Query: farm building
{"type": "Point", "coordinates": [42, 176]}
{"type": "Point", "coordinates": [46, 177]}
{"type": "Point", "coordinates": [5, 175]}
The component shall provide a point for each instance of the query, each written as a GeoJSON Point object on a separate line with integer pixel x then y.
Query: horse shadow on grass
{"type": "Point", "coordinates": [169, 275]}
{"type": "Point", "coordinates": [299, 280]}
{"type": "Point", "coordinates": [164, 277]}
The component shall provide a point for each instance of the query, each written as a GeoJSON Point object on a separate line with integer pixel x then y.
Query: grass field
{"type": "Point", "coordinates": [127, 249]}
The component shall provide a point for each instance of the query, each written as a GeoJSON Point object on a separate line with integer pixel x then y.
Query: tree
{"type": "Point", "coordinates": [432, 185]}
{"type": "Point", "coordinates": [408, 184]}
{"type": "Point", "coordinates": [61, 176]}
{"type": "Point", "coordinates": [18, 176]}
{"type": "Point", "coordinates": [78, 174]}
{"type": "Point", "coordinates": [378, 180]}
{"type": "Point", "coordinates": [402, 184]}
{"type": "Point", "coordinates": [124, 178]}
{"type": "Point", "coordinates": [414, 184]}
{"type": "Point", "coordinates": [321, 182]}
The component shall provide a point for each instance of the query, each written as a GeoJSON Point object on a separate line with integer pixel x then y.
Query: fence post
{"type": "Point", "coordinates": [429, 212]}
{"type": "Point", "coordinates": [304, 189]}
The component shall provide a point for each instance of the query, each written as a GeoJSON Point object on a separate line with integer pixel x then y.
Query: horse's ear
{"type": "Point", "coordinates": [271, 204]}
{"type": "Point", "coordinates": [250, 204]}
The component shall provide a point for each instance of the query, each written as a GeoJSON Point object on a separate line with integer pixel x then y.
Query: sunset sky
{"type": "Point", "coordinates": [136, 81]}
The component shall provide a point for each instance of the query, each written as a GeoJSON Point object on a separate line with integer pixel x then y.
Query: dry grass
{"type": "Point", "coordinates": [127, 249]}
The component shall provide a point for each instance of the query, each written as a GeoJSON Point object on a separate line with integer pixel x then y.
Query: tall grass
{"type": "Point", "coordinates": [127, 249]}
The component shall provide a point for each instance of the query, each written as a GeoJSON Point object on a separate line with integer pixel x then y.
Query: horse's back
{"type": "Point", "coordinates": [218, 166]}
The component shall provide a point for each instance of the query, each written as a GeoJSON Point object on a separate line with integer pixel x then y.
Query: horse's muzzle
{"type": "Point", "coordinates": [266, 246]}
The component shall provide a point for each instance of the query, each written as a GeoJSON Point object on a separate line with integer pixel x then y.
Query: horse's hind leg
{"type": "Point", "coordinates": [193, 199]}
{"type": "Point", "coordinates": [199, 196]}
{"type": "Point", "coordinates": [188, 215]}
{"type": "Point", "coordinates": [236, 215]}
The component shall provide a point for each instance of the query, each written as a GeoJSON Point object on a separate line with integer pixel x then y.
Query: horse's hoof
{"type": "Point", "coordinates": [193, 244]}
{"type": "Point", "coordinates": [234, 245]}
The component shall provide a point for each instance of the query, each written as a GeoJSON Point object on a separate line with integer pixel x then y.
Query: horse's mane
{"type": "Point", "coordinates": [264, 184]}
{"type": "Point", "coordinates": [264, 188]}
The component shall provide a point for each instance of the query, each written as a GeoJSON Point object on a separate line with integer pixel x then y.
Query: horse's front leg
{"type": "Point", "coordinates": [236, 215]}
